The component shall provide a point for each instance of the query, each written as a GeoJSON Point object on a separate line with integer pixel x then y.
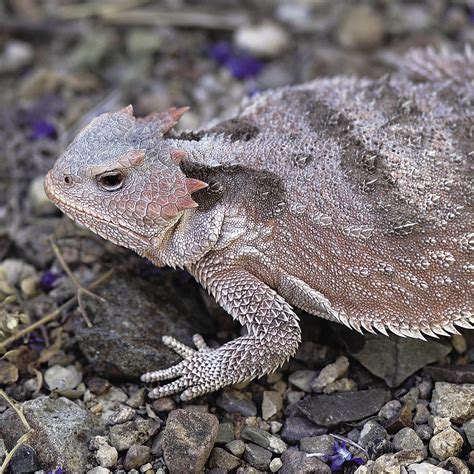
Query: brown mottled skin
{"type": "Point", "coordinates": [348, 198]}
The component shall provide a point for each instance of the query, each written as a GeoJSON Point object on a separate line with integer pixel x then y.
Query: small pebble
{"type": "Point", "coordinates": [41, 205]}
{"type": "Point", "coordinates": [330, 373]}
{"type": "Point", "coordinates": [62, 378]}
{"type": "Point", "coordinates": [136, 456]}
{"type": "Point", "coordinates": [257, 456]}
{"type": "Point", "coordinates": [275, 465]}
{"type": "Point", "coordinates": [106, 455]}
{"type": "Point", "coordinates": [302, 379]}
{"type": "Point", "coordinates": [272, 403]}
{"type": "Point", "coordinates": [225, 433]}
{"type": "Point", "coordinates": [267, 39]}
{"type": "Point", "coordinates": [361, 28]}
{"type": "Point", "coordinates": [236, 447]}
{"type": "Point", "coordinates": [264, 439]}
{"type": "Point", "coordinates": [445, 444]}
{"type": "Point", "coordinates": [407, 438]}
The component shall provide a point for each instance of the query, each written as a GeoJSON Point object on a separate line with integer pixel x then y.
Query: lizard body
{"type": "Point", "coordinates": [348, 198]}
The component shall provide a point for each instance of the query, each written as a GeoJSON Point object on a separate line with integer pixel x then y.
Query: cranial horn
{"type": "Point", "coordinates": [186, 202]}
{"type": "Point", "coordinates": [177, 155]}
{"type": "Point", "coordinates": [128, 110]}
{"type": "Point", "coordinates": [193, 185]}
{"type": "Point", "coordinates": [165, 121]}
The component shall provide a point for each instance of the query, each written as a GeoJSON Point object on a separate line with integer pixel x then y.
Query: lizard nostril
{"type": "Point", "coordinates": [67, 179]}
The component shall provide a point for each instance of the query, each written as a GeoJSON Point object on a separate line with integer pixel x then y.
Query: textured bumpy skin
{"type": "Point", "coordinates": [348, 198]}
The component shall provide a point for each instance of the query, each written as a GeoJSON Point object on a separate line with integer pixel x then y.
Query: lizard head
{"type": "Point", "coordinates": [120, 178]}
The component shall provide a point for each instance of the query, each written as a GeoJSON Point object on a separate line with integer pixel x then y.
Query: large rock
{"type": "Point", "coordinates": [61, 430]}
{"type": "Point", "coordinates": [392, 358]}
{"type": "Point", "coordinates": [330, 410]}
{"type": "Point", "coordinates": [453, 401]}
{"type": "Point", "coordinates": [125, 339]}
{"type": "Point", "coordinates": [188, 440]}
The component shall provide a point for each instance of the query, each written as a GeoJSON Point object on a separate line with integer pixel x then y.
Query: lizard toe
{"type": "Point", "coordinates": [170, 388]}
{"type": "Point", "coordinates": [164, 374]}
{"type": "Point", "coordinates": [181, 349]}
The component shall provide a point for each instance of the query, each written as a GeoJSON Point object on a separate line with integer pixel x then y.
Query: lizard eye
{"type": "Point", "coordinates": [111, 181]}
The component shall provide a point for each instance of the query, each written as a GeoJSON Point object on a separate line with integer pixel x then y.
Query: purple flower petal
{"type": "Point", "coordinates": [48, 279]}
{"type": "Point", "coordinates": [221, 53]}
{"type": "Point", "coordinates": [41, 128]}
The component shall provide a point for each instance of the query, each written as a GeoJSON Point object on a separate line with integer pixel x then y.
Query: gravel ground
{"type": "Point", "coordinates": [70, 399]}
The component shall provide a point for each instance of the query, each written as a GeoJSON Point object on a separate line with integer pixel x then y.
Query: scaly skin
{"type": "Point", "coordinates": [347, 198]}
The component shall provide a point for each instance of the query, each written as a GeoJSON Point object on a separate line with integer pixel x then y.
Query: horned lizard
{"type": "Point", "coordinates": [349, 198]}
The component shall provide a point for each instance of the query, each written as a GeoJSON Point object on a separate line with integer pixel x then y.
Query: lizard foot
{"type": "Point", "coordinates": [190, 373]}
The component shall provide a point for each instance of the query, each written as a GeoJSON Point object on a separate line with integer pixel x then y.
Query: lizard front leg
{"type": "Point", "coordinates": [273, 335]}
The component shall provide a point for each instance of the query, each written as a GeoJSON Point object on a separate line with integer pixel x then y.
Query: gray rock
{"type": "Point", "coordinates": [24, 460]}
{"type": "Point", "coordinates": [125, 435]}
{"type": "Point", "coordinates": [188, 440]}
{"type": "Point", "coordinates": [272, 403]}
{"type": "Point", "coordinates": [236, 447]}
{"type": "Point", "coordinates": [225, 433]}
{"type": "Point", "coordinates": [296, 427]}
{"type": "Point", "coordinates": [407, 438]}
{"type": "Point", "coordinates": [295, 461]}
{"type": "Point", "coordinates": [330, 410]}
{"type": "Point", "coordinates": [426, 468]}
{"type": "Point", "coordinates": [330, 374]}
{"type": "Point", "coordinates": [264, 439]}
{"type": "Point", "coordinates": [136, 456]}
{"type": "Point", "coordinates": [453, 401]}
{"type": "Point", "coordinates": [137, 398]}
{"type": "Point", "coordinates": [121, 414]}
{"type": "Point", "coordinates": [422, 415]}
{"type": "Point", "coordinates": [152, 310]}
{"type": "Point", "coordinates": [233, 401]}
{"type": "Point", "coordinates": [393, 358]}
{"type": "Point", "coordinates": [372, 433]}
{"type": "Point", "coordinates": [61, 429]}
{"type": "Point", "coordinates": [455, 465]}
{"type": "Point", "coordinates": [220, 458]}
{"type": "Point", "coordinates": [257, 456]}
{"type": "Point", "coordinates": [317, 445]}
{"type": "Point", "coordinates": [453, 373]}
{"type": "Point", "coordinates": [390, 409]}
{"type": "Point", "coordinates": [468, 428]}
{"type": "Point", "coordinates": [425, 432]}
{"type": "Point", "coordinates": [445, 444]}
{"type": "Point", "coordinates": [302, 379]}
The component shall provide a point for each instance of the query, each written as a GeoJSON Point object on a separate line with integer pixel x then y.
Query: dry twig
{"type": "Point", "coordinates": [22, 438]}
{"type": "Point", "coordinates": [81, 290]}
{"type": "Point", "coordinates": [54, 314]}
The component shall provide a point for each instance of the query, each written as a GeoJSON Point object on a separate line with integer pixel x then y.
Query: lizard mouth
{"type": "Point", "coordinates": [100, 224]}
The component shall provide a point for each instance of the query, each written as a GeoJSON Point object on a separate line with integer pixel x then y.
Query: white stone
{"type": "Point", "coordinates": [267, 39]}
